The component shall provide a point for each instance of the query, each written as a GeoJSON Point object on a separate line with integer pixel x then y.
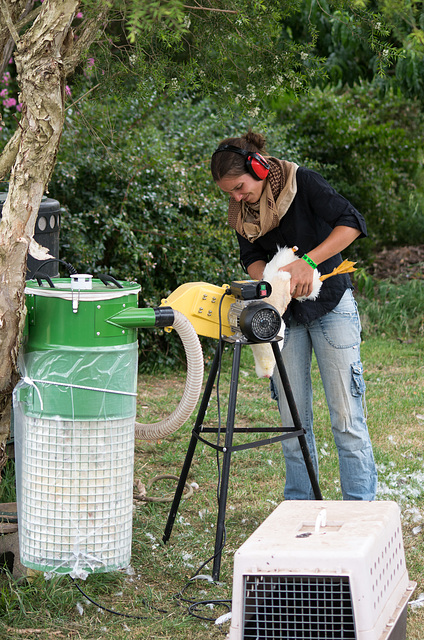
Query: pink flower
{"type": "Point", "coordinates": [79, 14]}
{"type": "Point", "coordinates": [9, 102]}
{"type": "Point", "coordinates": [67, 90]}
{"type": "Point", "coordinates": [90, 62]}
{"type": "Point", "coordinates": [19, 106]}
{"type": "Point", "coordinates": [3, 93]}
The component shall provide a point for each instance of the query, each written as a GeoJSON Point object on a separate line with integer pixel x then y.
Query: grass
{"type": "Point", "coordinates": [7, 486]}
{"type": "Point", "coordinates": [156, 589]}
{"type": "Point", "coordinates": [390, 307]}
{"type": "Point", "coordinates": [154, 594]}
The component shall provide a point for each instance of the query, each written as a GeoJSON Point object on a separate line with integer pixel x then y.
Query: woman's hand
{"type": "Point", "coordinates": [301, 278]}
{"type": "Point", "coordinates": [302, 273]}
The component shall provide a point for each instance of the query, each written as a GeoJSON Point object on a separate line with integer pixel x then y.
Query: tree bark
{"type": "Point", "coordinates": [17, 12]}
{"type": "Point", "coordinates": [45, 54]}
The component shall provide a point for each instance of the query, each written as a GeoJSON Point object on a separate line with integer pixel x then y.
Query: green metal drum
{"type": "Point", "coordinates": [74, 416]}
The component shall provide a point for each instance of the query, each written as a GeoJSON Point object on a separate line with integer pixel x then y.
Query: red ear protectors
{"type": "Point", "coordinates": [256, 164]}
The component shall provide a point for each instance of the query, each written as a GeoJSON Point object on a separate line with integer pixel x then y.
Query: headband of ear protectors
{"type": "Point", "coordinates": [255, 164]}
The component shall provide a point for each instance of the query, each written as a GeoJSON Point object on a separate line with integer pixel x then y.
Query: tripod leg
{"type": "Point", "coordinates": [296, 420]}
{"type": "Point", "coordinates": [232, 399]}
{"type": "Point", "coordinates": [192, 446]}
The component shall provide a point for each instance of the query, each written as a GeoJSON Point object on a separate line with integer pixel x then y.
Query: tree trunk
{"type": "Point", "coordinates": [45, 54]}
{"type": "Point", "coordinates": [18, 12]}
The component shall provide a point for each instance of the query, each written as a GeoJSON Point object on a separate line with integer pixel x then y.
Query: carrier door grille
{"type": "Point", "coordinates": [298, 608]}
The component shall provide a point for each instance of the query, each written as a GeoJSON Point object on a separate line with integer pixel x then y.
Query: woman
{"type": "Point", "coordinates": [274, 203]}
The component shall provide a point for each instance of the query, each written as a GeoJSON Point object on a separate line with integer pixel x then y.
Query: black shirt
{"type": "Point", "coordinates": [315, 211]}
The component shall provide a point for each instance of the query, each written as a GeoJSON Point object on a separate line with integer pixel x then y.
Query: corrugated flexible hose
{"type": "Point", "coordinates": [193, 385]}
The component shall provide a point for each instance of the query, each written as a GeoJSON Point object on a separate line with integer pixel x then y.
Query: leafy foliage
{"type": "Point", "coordinates": [141, 205]}
{"type": "Point", "coordinates": [136, 188]}
{"type": "Point", "coordinates": [371, 152]}
{"type": "Point", "coordinates": [235, 50]}
{"type": "Point", "coordinates": [379, 41]}
{"type": "Point", "coordinates": [139, 200]}
{"type": "Point", "coordinates": [390, 308]}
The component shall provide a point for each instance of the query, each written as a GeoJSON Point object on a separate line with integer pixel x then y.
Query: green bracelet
{"type": "Point", "coordinates": [309, 261]}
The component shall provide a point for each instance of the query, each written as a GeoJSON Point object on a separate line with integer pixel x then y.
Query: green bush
{"type": "Point", "coordinates": [140, 203]}
{"type": "Point", "coordinates": [370, 148]}
{"type": "Point", "coordinates": [390, 308]}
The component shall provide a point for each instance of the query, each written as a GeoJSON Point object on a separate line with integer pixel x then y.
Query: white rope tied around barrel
{"type": "Point", "coordinates": [192, 389]}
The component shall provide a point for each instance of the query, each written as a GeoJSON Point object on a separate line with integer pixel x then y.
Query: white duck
{"type": "Point", "coordinates": [280, 298]}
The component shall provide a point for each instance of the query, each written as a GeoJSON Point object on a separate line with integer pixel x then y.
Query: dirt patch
{"type": "Point", "coordinates": [400, 262]}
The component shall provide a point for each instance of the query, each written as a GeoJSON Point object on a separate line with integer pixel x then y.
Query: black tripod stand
{"type": "Point", "coordinates": [285, 432]}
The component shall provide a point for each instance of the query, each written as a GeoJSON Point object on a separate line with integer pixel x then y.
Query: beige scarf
{"type": "Point", "coordinates": [255, 220]}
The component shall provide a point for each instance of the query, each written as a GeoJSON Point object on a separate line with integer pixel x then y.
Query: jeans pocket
{"type": "Point", "coordinates": [357, 386]}
{"type": "Point", "coordinates": [341, 326]}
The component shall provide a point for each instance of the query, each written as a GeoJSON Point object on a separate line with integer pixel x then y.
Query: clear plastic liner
{"type": "Point", "coordinates": [74, 414]}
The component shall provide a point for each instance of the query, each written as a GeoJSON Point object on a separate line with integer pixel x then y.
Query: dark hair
{"type": "Point", "coordinates": [229, 163]}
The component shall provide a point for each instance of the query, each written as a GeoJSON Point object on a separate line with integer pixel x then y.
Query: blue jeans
{"type": "Point", "coordinates": [335, 339]}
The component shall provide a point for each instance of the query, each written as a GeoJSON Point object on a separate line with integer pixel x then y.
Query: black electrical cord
{"type": "Point", "coordinates": [115, 613]}
{"type": "Point", "coordinates": [218, 402]}
{"type": "Point", "coordinates": [197, 603]}
{"type": "Point", "coordinates": [205, 603]}
{"type": "Point", "coordinates": [193, 604]}
{"type": "Point", "coordinates": [71, 269]}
